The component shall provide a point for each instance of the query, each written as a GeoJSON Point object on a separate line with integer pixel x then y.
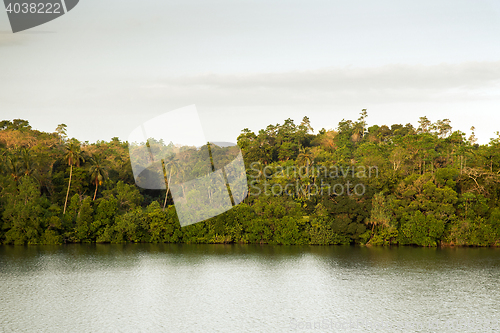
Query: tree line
{"type": "Point", "coordinates": [380, 185]}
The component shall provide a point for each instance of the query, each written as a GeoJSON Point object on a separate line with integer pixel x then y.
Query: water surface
{"type": "Point", "coordinates": [227, 288]}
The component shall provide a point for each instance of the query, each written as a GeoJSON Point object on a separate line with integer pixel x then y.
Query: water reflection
{"type": "Point", "coordinates": [180, 287]}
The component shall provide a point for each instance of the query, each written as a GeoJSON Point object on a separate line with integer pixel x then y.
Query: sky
{"type": "Point", "coordinates": [108, 66]}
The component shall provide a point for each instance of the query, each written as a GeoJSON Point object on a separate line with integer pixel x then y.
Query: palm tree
{"type": "Point", "coordinates": [73, 157]}
{"type": "Point", "coordinates": [98, 172]}
{"type": "Point", "coordinates": [305, 157]}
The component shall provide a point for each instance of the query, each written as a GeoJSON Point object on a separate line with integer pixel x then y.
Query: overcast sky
{"type": "Point", "coordinates": [108, 66]}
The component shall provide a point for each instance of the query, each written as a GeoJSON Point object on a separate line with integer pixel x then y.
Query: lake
{"type": "Point", "coordinates": [251, 288]}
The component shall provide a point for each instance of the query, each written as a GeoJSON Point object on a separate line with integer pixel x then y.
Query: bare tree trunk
{"type": "Point", "coordinates": [168, 188]}
{"type": "Point", "coordinates": [95, 192]}
{"type": "Point", "coordinates": [165, 202]}
{"type": "Point", "coordinates": [69, 184]}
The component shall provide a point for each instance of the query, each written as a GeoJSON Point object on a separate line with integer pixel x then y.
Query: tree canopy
{"type": "Point", "coordinates": [353, 184]}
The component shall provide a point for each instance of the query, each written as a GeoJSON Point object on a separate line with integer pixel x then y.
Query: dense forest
{"type": "Point", "coordinates": [378, 185]}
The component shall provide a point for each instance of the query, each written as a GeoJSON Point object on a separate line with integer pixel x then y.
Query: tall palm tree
{"type": "Point", "coordinates": [73, 157]}
{"type": "Point", "coordinates": [98, 172]}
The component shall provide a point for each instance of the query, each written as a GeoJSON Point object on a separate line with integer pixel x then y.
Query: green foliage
{"type": "Point", "coordinates": [321, 233]}
{"type": "Point", "coordinates": [164, 226]}
{"type": "Point", "coordinates": [131, 227]}
{"type": "Point", "coordinates": [128, 196]}
{"type": "Point", "coordinates": [103, 220]}
{"type": "Point", "coordinates": [419, 229]}
{"type": "Point", "coordinates": [424, 186]}
{"type": "Point", "coordinates": [22, 216]}
{"type": "Point", "coordinates": [51, 237]}
{"type": "Point", "coordinates": [84, 221]}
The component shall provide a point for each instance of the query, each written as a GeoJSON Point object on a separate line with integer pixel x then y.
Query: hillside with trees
{"type": "Point", "coordinates": [380, 185]}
